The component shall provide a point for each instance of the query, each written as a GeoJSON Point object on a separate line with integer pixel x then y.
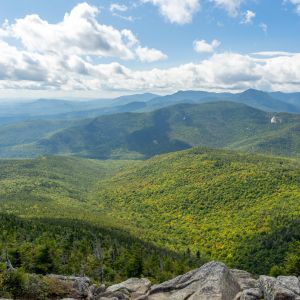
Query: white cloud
{"type": "Point", "coordinates": [297, 4]}
{"type": "Point", "coordinates": [204, 47]}
{"type": "Point", "coordinates": [273, 53]}
{"type": "Point", "coordinates": [78, 33]}
{"type": "Point", "coordinates": [177, 11]}
{"type": "Point", "coordinates": [60, 57]}
{"type": "Point", "coordinates": [118, 7]}
{"type": "Point", "coordinates": [22, 70]}
{"type": "Point", "coordinates": [231, 6]}
{"type": "Point", "coordinates": [248, 16]}
{"type": "Point", "coordinates": [149, 55]}
{"type": "Point", "coordinates": [263, 27]}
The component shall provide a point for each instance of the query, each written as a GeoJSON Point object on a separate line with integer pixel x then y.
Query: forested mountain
{"type": "Point", "coordinates": [142, 135]}
{"type": "Point", "coordinates": [156, 214]}
{"type": "Point", "coordinates": [150, 150]}
{"type": "Point", "coordinates": [230, 206]}
{"type": "Point", "coordinates": [29, 131]}
{"type": "Point", "coordinates": [258, 99]}
{"type": "Point", "coordinates": [70, 110]}
{"type": "Point", "coordinates": [265, 101]}
{"type": "Point", "coordinates": [63, 234]}
{"type": "Point", "coordinates": [292, 98]}
{"type": "Point", "coordinates": [199, 203]}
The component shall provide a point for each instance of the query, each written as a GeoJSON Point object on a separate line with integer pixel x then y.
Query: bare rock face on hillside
{"type": "Point", "coordinates": [213, 281]}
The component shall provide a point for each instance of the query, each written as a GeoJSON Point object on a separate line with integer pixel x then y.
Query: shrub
{"type": "Point", "coordinates": [36, 288]}
{"type": "Point", "coordinates": [14, 283]}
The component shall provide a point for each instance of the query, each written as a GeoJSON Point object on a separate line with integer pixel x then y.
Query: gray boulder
{"type": "Point", "coordinates": [250, 294]}
{"type": "Point", "coordinates": [244, 279]}
{"type": "Point", "coordinates": [80, 284]}
{"type": "Point", "coordinates": [280, 288]}
{"type": "Point", "coordinates": [132, 288]}
{"type": "Point", "coordinates": [213, 281]}
{"type": "Point", "coordinates": [132, 285]}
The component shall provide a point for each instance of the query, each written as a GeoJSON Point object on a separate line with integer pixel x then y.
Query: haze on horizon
{"type": "Point", "coordinates": [103, 49]}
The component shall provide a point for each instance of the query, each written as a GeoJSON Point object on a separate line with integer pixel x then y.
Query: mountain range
{"type": "Point", "coordinates": [150, 186]}
{"type": "Point", "coordinates": [62, 109]}
{"type": "Point", "coordinates": [142, 135]}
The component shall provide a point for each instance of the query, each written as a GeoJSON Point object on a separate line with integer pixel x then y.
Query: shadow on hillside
{"type": "Point", "coordinates": [155, 140]}
{"type": "Point", "coordinates": [259, 252]}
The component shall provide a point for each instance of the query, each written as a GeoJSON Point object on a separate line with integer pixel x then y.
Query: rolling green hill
{"type": "Point", "coordinates": [61, 181]}
{"type": "Point", "coordinates": [242, 209]}
{"type": "Point", "coordinates": [29, 131]}
{"type": "Point", "coordinates": [218, 125]}
{"type": "Point", "coordinates": [19, 139]}
{"type": "Point", "coordinates": [142, 135]}
{"type": "Point", "coordinates": [48, 226]}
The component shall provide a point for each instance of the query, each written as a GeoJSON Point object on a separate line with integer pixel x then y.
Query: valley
{"type": "Point", "coordinates": [149, 150]}
{"type": "Point", "coordinates": [221, 204]}
{"type": "Point", "coordinates": [152, 193]}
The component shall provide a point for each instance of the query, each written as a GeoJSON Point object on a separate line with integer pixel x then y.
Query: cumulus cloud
{"type": "Point", "coordinates": [231, 6]}
{"type": "Point", "coordinates": [223, 71]}
{"type": "Point", "coordinates": [297, 4]}
{"type": "Point", "coordinates": [60, 57]}
{"type": "Point", "coordinates": [248, 16]}
{"type": "Point", "coordinates": [150, 55]}
{"type": "Point", "coordinates": [202, 46]}
{"type": "Point", "coordinates": [78, 33]}
{"type": "Point", "coordinates": [177, 11]}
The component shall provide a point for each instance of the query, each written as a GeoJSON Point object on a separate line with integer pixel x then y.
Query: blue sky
{"type": "Point", "coordinates": [120, 47]}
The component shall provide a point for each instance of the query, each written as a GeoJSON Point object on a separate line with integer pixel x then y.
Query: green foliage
{"type": "Point", "coordinates": [276, 271]}
{"type": "Point", "coordinates": [143, 135]}
{"type": "Point", "coordinates": [217, 124]}
{"type": "Point", "coordinates": [13, 282]}
{"type": "Point", "coordinates": [292, 260]}
{"type": "Point", "coordinates": [83, 216]}
{"type": "Point", "coordinates": [73, 247]}
{"type": "Point", "coordinates": [58, 188]}
{"type": "Point", "coordinates": [20, 285]}
{"type": "Point", "coordinates": [242, 209]}
{"type": "Point", "coordinates": [36, 288]}
{"type": "Point", "coordinates": [44, 262]}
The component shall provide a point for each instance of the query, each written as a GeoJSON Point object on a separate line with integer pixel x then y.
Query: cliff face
{"type": "Point", "coordinates": [213, 281]}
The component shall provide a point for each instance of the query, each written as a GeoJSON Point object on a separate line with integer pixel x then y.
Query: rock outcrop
{"type": "Point", "coordinates": [213, 281]}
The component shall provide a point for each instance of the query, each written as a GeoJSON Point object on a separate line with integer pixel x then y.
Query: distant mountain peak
{"type": "Point", "coordinates": [254, 91]}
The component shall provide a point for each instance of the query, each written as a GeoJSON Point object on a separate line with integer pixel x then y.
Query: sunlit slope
{"type": "Point", "coordinates": [242, 209]}
{"type": "Point", "coordinates": [231, 206]}
{"type": "Point", "coordinates": [47, 225]}
{"type": "Point", "coordinates": [51, 186]}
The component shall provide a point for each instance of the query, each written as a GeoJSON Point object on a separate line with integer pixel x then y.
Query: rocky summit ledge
{"type": "Point", "coordinates": [213, 281]}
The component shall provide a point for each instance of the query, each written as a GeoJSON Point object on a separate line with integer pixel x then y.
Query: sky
{"type": "Point", "coordinates": [101, 48]}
